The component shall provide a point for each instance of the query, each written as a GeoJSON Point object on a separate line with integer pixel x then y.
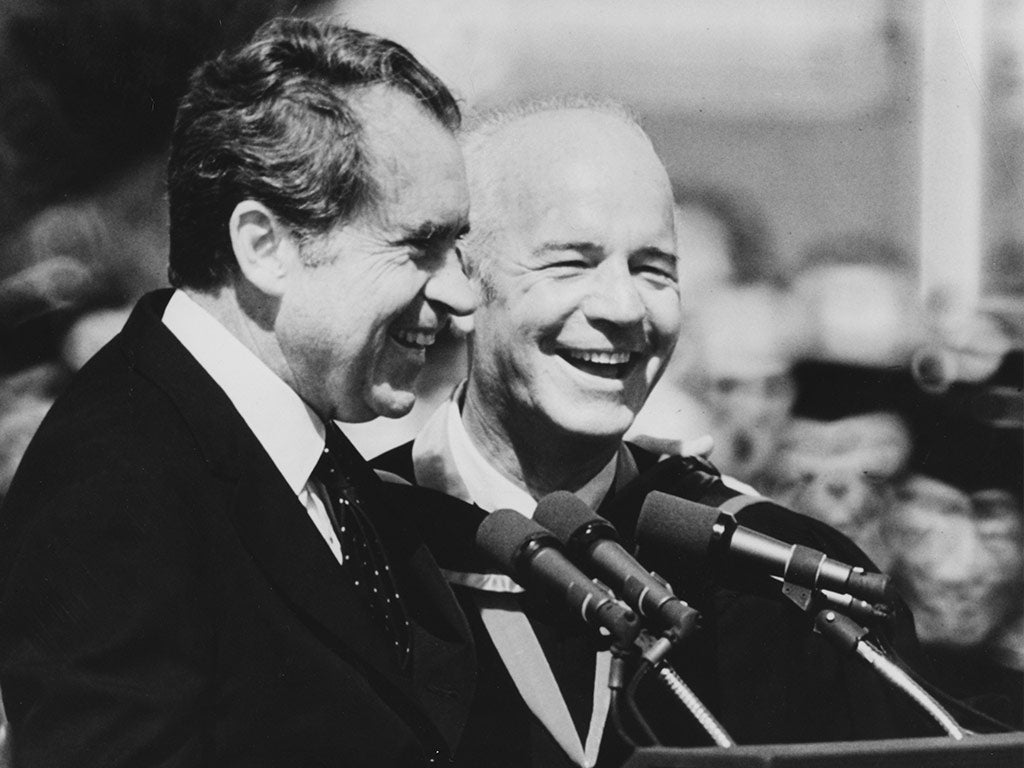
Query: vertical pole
{"type": "Point", "coordinates": [952, 106]}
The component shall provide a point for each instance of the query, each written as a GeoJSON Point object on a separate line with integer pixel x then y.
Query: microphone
{"type": "Point", "coordinates": [680, 528]}
{"type": "Point", "coordinates": [529, 553]}
{"type": "Point", "coordinates": [592, 541]}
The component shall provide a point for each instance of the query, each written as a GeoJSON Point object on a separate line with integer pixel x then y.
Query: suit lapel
{"type": "Point", "coordinates": [444, 662]}
{"type": "Point", "coordinates": [278, 533]}
{"type": "Point", "coordinates": [275, 529]}
{"type": "Point", "coordinates": [435, 692]}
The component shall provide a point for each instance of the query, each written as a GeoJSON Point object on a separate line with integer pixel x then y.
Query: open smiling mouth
{"type": "Point", "coordinates": [607, 365]}
{"type": "Point", "coordinates": [413, 339]}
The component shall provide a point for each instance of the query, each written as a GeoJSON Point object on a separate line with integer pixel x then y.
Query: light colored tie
{"type": "Point", "coordinates": [519, 648]}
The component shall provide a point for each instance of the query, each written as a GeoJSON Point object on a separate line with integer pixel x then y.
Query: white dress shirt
{"type": "Point", "coordinates": [289, 431]}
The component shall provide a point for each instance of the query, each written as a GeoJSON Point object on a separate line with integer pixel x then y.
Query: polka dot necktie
{"type": "Point", "coordinates": [362, 553]}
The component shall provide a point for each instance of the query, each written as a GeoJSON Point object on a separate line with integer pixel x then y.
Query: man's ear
{"type": "Point", "coordinates": [264, 247]}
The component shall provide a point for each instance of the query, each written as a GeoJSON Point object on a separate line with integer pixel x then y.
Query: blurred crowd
{"type": "Point", "coordinates": [830, 388]}
{"type": "Point", "coordinates": [821, 378]}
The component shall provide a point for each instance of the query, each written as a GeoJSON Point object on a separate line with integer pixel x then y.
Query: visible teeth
{"type": "Point", "coordinates": [415, 338]}
{"type": "Point", "coordinates": [604, 358]}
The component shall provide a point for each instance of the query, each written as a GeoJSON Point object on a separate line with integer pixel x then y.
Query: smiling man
{"type": "Point", "coordinates": [580, 305]}
{"type": "Point", "coordinates": [196, 568]}
{"type": "Point", "coordinates": [572, 251]}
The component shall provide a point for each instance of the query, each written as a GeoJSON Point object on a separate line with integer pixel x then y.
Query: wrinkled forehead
{"type": "Point", "coordinates": [585, 175]}
{"type": "Point", "coordinates": [415, 161]}
{"type": "Point", "coordinates": [593, 203]}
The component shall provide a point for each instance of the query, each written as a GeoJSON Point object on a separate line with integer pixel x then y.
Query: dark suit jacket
{"type": "Point", "coordinates": [754, 660]}
{"type": "Point", "coordinates": [166, 601]}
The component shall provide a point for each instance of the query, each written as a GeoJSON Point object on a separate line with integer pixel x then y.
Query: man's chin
{"type": "Point", "coordinates": [382, 400]}
{"type": "Point", "coordinates": [598, 423]}
{"type": "Point", "coordinates": [391, 402]}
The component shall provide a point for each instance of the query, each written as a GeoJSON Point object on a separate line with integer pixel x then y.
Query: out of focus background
{"type": "Point", "coordinates": [849, 179]}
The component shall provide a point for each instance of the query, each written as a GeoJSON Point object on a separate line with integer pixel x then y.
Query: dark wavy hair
{"type": "Point", "coordinates": [272, 121]}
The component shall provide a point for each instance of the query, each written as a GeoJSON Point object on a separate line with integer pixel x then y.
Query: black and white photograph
{"type": "Point", "coordinates": [511, 383]}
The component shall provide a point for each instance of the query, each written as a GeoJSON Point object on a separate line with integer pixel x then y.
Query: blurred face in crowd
{"type": "Point", "coordinates": [580, 301]}
{"type": "Point", "coordinates": [372, 294]}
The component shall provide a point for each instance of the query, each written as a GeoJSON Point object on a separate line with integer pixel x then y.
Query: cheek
{"type": "Point", "coordinates": [375, 308]}
{"type": "Point", "coordinates": [403, 287]}
{"type": "Point", "coordinates": [519, 325]}
{"type": "Point", "coordinates": [559, 316]}
{"type": "Point", "coordinates": [664, 315]}
{"type": "Point", "coordinates": [492, 347]}
{"type": "Point", "coordinates": [303, 322]}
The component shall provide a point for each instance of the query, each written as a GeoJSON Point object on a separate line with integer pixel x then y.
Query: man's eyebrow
{"type": "Point", "coordinates": [583, 246]}
{"type": "Point", "coordinates": [653, 250]}
{"type": "Point", "coordinates": [432, 230]}
{"type": "Point", "coordinates": [587, 247]}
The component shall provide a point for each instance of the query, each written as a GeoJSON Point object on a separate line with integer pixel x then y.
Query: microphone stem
{"type": "Point", "coordinates": [696, 706]}
{"type": "Point", "coordinates": [908, 685]}
{"type": "Point", "coordinates": [634, 710]}
{"type": "Point", "coordinates": [615, 707]}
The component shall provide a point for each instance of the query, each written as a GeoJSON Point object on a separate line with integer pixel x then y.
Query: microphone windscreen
{"type": "Point", "coordinates": [676, 526]}
{"type": "Point", "coordinates": [503, 533]}
{"type": "Point", "coordinates": [563, 513]}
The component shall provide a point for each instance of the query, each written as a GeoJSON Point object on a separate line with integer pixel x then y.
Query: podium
{"type": "Point", "coordinates": [1003, 750]}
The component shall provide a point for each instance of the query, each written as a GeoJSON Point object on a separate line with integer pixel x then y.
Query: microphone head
{"type": "Point", "coordinates": [873, 587]}
{"type": "Point", "coordinates": [675, 527]}
{"type": "Point", "coordinates": [570, 519]}
{"type": "Point", "coordinates": [503, 536]}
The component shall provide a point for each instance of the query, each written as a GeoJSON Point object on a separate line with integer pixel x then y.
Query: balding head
{"type": "Point", "coordinates": [516, 153]}
{"type": "Point", "coordinates": [573, 247]}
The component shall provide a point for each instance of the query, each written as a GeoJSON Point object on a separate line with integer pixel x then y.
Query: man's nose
{"type": "Point", "coordinates": [449, 287]}
{"type": "Point", "coordinates": [613, 295]}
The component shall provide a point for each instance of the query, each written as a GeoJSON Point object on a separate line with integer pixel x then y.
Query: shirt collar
{"type": "Point", "coordinates": [490, 489]}
{"type": "Point", "coordinates": [288, 429]}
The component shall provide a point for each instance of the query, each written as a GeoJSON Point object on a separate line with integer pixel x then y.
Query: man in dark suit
{"type": "Point", "coordinates": [196, 569]}
{"type": "Point", "coordinates": [572, 249]}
